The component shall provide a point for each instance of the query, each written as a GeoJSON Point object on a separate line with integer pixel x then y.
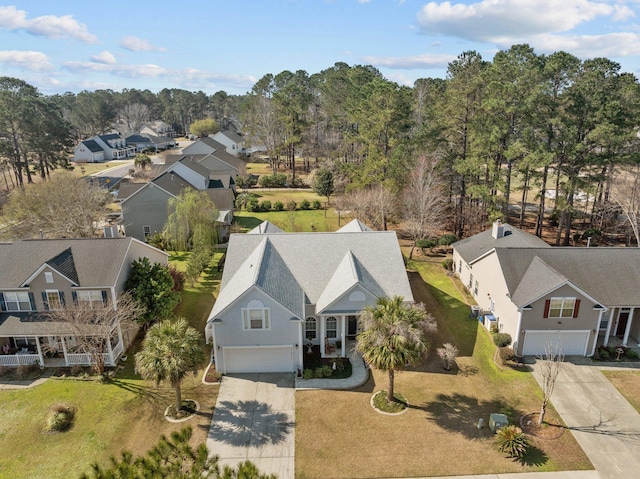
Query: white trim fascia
{"type": "Point", "coordinates": [482, 256]}
{"type": "Point", "coordinates": [239, 297]}
{"type": "Point", "coordinates": [39, 270]}
{"type": "Point", "coordinates": [349, 289]}
{"type": "Point", "coordinates": [567, 282]}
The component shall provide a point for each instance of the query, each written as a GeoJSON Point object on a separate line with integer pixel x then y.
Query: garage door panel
{"type": "Point", "coordinates": [572, 342]}
{"type": "Point", "coordinates": [258, 359]}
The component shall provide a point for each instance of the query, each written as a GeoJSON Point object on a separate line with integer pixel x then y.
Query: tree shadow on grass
{"type": "Point", "coordinates": [249, 222]}
{"type": "Point", "coordinates": [460, 413]}
{"type": "Point", "coordinates": [249, 423]}
{"type": "Point", "coordinates": [534, 457]}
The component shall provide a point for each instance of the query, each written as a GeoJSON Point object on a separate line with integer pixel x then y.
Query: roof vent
{"type": "Point", "coordinates": [497, 231]}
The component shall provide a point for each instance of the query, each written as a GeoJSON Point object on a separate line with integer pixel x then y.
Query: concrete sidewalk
{"type": "Point", "coordinates": [605, 425]}
{"type": "Point", "coordinates": [359, 376]}
{"type": "Point", "coordinates": [526, 475]}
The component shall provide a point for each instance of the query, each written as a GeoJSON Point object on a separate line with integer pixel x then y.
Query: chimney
{"type": "Point", "coordinates": [497, 231]}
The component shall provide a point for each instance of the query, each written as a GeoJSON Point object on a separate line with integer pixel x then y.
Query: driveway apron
{"type": "Point", "coordinates": [602, 421]}
{"type": "Point", "coordinates": [254, 419]}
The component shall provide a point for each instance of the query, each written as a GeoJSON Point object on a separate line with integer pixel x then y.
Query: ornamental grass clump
{"type": "Point", "coordinates": [512, 441]}
{"type": "Point", "coordinates": [60, 417]}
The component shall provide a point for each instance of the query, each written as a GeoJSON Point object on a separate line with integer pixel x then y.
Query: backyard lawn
{"type": "Point", "coordinates": [298, 221]}
{"type": "Point", "coordinates": [126, 413]}
{"type": "Point", "coordinates": [437, 436]}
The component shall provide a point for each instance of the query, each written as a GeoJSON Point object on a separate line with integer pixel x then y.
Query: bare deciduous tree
{"type": "Point", "coordinates": [94, 324]}
{"type": "Point", "coordinates": [372, 205]}
{"type": "Point", "coordinates": [550, 364]}
{"type": "Point", "coordinates": [625, 191]}
{"type": "Point", "coordinates": [424, 202]}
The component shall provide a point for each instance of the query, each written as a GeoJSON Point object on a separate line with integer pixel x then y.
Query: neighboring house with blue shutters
{"type": "Point", "coordinates": [284, 292]}
{"type": "Point", "coordinates": [37, 276]}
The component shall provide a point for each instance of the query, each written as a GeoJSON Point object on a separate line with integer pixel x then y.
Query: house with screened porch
{"type": "Point", "coordinates": [282, 292]}
{"type": "Point", "coordinates": [38, 277]}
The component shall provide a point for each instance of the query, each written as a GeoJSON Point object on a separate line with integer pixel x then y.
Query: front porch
{"type": "Point", "coordinates": [333, 335]}
{"type": "Point", "coordinates": [618, 328]}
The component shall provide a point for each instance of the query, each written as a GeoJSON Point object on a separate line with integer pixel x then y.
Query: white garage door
{"type": "Point", "coordinates": [572, 342]}
{"type": "Point", "coordinates": [264, 359]}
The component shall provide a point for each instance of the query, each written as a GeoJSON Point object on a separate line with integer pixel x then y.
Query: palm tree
{"type": "Point", "coordinates": [394, 335]}
{"type": "Point", "coordinates": [171, 350]}
{"type": "Point", "coordinates": [142, 161]}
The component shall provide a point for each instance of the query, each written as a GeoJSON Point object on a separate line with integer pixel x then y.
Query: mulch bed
{"type": "Point", "coordinates": [546, 430]}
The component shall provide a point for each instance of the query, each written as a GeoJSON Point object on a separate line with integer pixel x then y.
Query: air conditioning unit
{"type": "Point", "coordinates": [476, 311]}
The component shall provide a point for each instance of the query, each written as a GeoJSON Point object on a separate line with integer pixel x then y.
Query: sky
{"type": "Point", "coordinates": [213, 45]}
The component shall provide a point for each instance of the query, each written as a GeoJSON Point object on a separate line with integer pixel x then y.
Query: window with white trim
{"type": "Point", "coordinates": [470, 280]}
{"type": "Point", "coordinates": [310, 328]}
{"type": "Point", "coordinates": [460, 266]}
{"type": "Point", "coordinates": [48, 277]}
{"type": "Point", "coordinates": [332, 327]}
{"type": "Point", "coordinates": [562, 307]}
{"type": "Point", "coordinates": [17, 301]}
{"type": "Point", "coordinates": [53, 299]}
{"type": "Point", "coordinates": [475, 288]}
{"type": "Point", "coordinates": [146, 230]}
{"type": "Point", "coordinates": [255, 316]}
{"type": "Point", "coordinates": [91, 298]}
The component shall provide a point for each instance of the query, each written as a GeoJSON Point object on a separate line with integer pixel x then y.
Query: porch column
{"type": "Point", "coordinates": [627, 330]}
{"type": "Point", "coordinates": [40, 357]}
{"type": "Point", "coordinates": [343, 335]}
{"type": "Point", "coordinates": [64, 350]}
{"type": "Point", "coordinates": [110, 350]}
{"type": "Point", "coordinates": [322, 335]}
{"type": "Point", "coordinates": [606, 335]}
{"type": "Point", "coordinates": [120, 335]}
{"type": "Point", "coordinates": [300, 346]}
{"type": "Point", "coordinates": [595, 340]}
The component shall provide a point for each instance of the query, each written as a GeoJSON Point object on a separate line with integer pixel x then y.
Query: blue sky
{"type": "Point", "coordinates": [213, 45]}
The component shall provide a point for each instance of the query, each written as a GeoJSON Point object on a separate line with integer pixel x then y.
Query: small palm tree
{"type": "Point", "coordinates": [394, 336]}
{"type": "Point", "coordinates": [171, 350]}
{"type": "Point", "coordinates": [142, 161]}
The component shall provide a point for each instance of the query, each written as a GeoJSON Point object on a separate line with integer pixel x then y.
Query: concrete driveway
{"type": "Point", "coordinates": [602, 421]}
{"type": "Point", "coordinates": [254, 420]}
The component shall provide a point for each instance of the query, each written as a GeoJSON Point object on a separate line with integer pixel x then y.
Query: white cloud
{"type": "Point", "coordinates": [104, 57]}
{"type": "Point", "coordinates": [136, 44]}
{"type": "Point", "coordinates": [48, 26]}
{"type": "Point", "coordinates": [26, 60]}
{"type": "Point", "coordinates": [411, 62]}
{"type": "Point", "coordinates": [590, 46]}
{"type": "Point", "coordinates": [490, 20]}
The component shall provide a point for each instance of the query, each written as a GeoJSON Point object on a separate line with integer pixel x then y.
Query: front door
{"type": "Point", "coordinates": [352, 326]}
{"type": "Point", "coordinates": [623, 317]}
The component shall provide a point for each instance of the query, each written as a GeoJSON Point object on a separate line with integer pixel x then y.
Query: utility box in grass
{"type": "Point", "coordinates": [497, 421]}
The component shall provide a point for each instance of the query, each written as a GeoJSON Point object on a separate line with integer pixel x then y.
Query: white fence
{"type": "Point", "coordinates": [19, 359]}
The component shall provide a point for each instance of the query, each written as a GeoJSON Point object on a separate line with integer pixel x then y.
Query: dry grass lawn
{"type": "Point", "coordinates": [338, 434]}
{"type": "Point", "coordinates": [628, 383]}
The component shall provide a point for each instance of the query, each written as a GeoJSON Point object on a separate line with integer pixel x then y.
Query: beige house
{"type": "Point", "coordinates": [579, 298]}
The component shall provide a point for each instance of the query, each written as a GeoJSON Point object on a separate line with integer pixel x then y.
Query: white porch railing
{"type": "Point", "coordinates": [19, 359]}
{"type": "Point", "coordinates": [85, 359]}
{"type": "Point", "coordinates": [117, 351]}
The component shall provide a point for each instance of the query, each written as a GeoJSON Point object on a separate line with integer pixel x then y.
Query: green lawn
{"type": "Point", "coordinates": [126, 413]}
{"type": "Point", "coordinates": [299, 221]}
{"type": "Point", "coordinates": [437, 436]}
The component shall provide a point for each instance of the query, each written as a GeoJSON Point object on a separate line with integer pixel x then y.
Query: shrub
{"type": "Point", "coordinates": [512, 441]}
{"type": "Point", "coordinates": [60, 418]}
{"type": "Point", "coordinates": [24, 371]}
{"type": "Point", "coordinates": [426, 243]}
{"type": "Point", "coordinates": [448, 264]}
{"type": "Point", "coordinates": [506, 354]}
{"type": "Point", "coordinates": [278, 206]}
{"type": "Point", "coordinates": [307, 373]}
{"type": "Point", "coordinates": [4, 371]}
{"type": "Point", "coordinates": [502, 339]}
{"type": "Point", "coordinates": [253, 205]}
{"type": "Point", "coordinates": [323, 372]}
{"type": "Point", "coordinates": [279, 180]}
{"type": "Point", "coordinates": [447, 239]}
{"type": "Point", "coordinates": [305, 205]}
{"type": "Point", "coordinates": [265, 205]}
{"type": "Point", "coordinates": [291, 205]}
{"type": "Point", "coordinates": [315, 204]}
{"type": "Point", "coordinates": [604, 354]}
{"type": "Point", "coordinates": [178, 278]}
{"type": "Point", "coordinates": [448, 354]}
{"type": "Point", "coordinates": [632, 354]}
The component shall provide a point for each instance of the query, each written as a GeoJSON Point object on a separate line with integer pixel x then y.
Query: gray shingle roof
{"type": "Point", "coordinates": [475, 246]}
{"type": "Point", "coordinates": [353, 226]}
{"type": "Point", "coordinates": [233, 136]}
{"type": "Point", "coordinates": [609, 275]}
{"type": "Point", "coordinates": [210, 142]}
{"type": "Point", "coordinates": [92, 145]}
{"type": "Point", "coordinates": [64, 264]}
{"type": "Point", "coordinates": [265, 227]}
{"type": "Point", "coordinates": [312, 259]}
{"type": "Point", "coordinates": [97, 261]}
{"type": "Point", "coordinates": [137, 139]}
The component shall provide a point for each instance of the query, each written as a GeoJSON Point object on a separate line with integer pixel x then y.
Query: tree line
{"type": "Point", "coordinates": [544, 126]}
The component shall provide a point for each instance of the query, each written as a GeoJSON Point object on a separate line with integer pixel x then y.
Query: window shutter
{"type": "Point", "coordinates": [44, 300]}
{"type": "Point", "coordinates": [245, 318]}
{"type": "Point", "coordinates": [3, 306]}
{"type": "Point", "coordinates": [32, 301]}
{"type": "Point", "coordinates": [104, 296]}
{"type": "Point", "coordinates": [74, 297]}
{"type": "Point", "coordinates": [62, 302]}
{"type": "Point", "coordinates": [576, 308]}
{"type": "Point", "coordinates": [547, 305]}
